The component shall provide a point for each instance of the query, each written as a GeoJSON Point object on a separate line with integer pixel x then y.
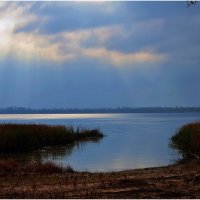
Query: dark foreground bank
{"type": "Point", "coordinates": [181, 180]}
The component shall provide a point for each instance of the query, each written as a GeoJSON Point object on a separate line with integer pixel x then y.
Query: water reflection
{"type": "Point", "coordinates": [54, 116]}
{"type": "Point", "coordinates": [54, 153]}
{"type": "Point", "coordinates": [51, 153]}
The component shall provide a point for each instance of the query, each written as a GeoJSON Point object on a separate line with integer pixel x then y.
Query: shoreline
{"type": "Point", "coordinates": [181, 180]}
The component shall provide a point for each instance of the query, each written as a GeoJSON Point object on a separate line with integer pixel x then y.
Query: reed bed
{"type": "Point", "coordinates": [187, 140]}
{"type": "Point", "coordinates": [18, 138]}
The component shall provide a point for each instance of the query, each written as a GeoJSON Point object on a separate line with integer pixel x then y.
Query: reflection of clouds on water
{"type": "Point", "coordinates": [139, 162]}
{"type": "Point", "coordinates": [54, 116]}
{"type": "Point", "coordinates": [117, 164]}
{"type": "Point", "coordinates": [119, 161]}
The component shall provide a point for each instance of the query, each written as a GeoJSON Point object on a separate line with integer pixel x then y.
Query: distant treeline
{"type": "Point", "coordinates": [22, 110]}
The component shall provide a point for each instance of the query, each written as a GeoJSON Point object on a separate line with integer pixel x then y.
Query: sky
{"type": "Point", "coordinates": [99, 54]}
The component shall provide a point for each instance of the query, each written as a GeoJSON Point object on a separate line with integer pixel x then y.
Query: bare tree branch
{"type": "Point", "coordinates": [189, 3]}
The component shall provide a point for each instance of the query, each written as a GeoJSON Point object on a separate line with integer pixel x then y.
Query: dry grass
{"type": "Point", "coordinates": [11, 166]}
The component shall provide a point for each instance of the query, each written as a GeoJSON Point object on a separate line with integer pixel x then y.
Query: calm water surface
{"type": "Point", "coordinates": [132, 140]}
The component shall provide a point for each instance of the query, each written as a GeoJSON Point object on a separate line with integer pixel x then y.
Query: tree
{"type": "Point", "coordinates": [189, 3]}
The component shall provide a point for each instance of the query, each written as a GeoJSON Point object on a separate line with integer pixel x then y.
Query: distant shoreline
{"type": "Point", "coordinates": [23, 110]}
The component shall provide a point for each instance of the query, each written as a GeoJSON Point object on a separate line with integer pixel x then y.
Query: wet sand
{"type": "Point", "coordinates": [176, 181]}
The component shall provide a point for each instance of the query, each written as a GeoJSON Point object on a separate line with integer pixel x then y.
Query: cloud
{"type": "Point", "coordinates": [68, 16]}
{"type": "Point", "coordinates": [28, 46]}
{"type": "Point", "coordinates": [119, 59]}
{"type": "Point", "coordinates": [34, 45]}
{"type": "Point", "coordinates": [100, 35]}
{"type": "Point", "coordinates": [22, 45]}
{"type": "Point", "coordinates": [66, 45]}
{"type": "Point", "coordinates": [13, 17]}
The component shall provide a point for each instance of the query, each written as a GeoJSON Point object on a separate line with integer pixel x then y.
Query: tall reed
{"type": "Point", "coordinates": [187, 140]}
{"type": "Point", "coordinates": [16, 138]}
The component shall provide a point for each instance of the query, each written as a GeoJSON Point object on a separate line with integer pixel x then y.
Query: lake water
{"type": "Point", "coordinates": [132, 140]}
